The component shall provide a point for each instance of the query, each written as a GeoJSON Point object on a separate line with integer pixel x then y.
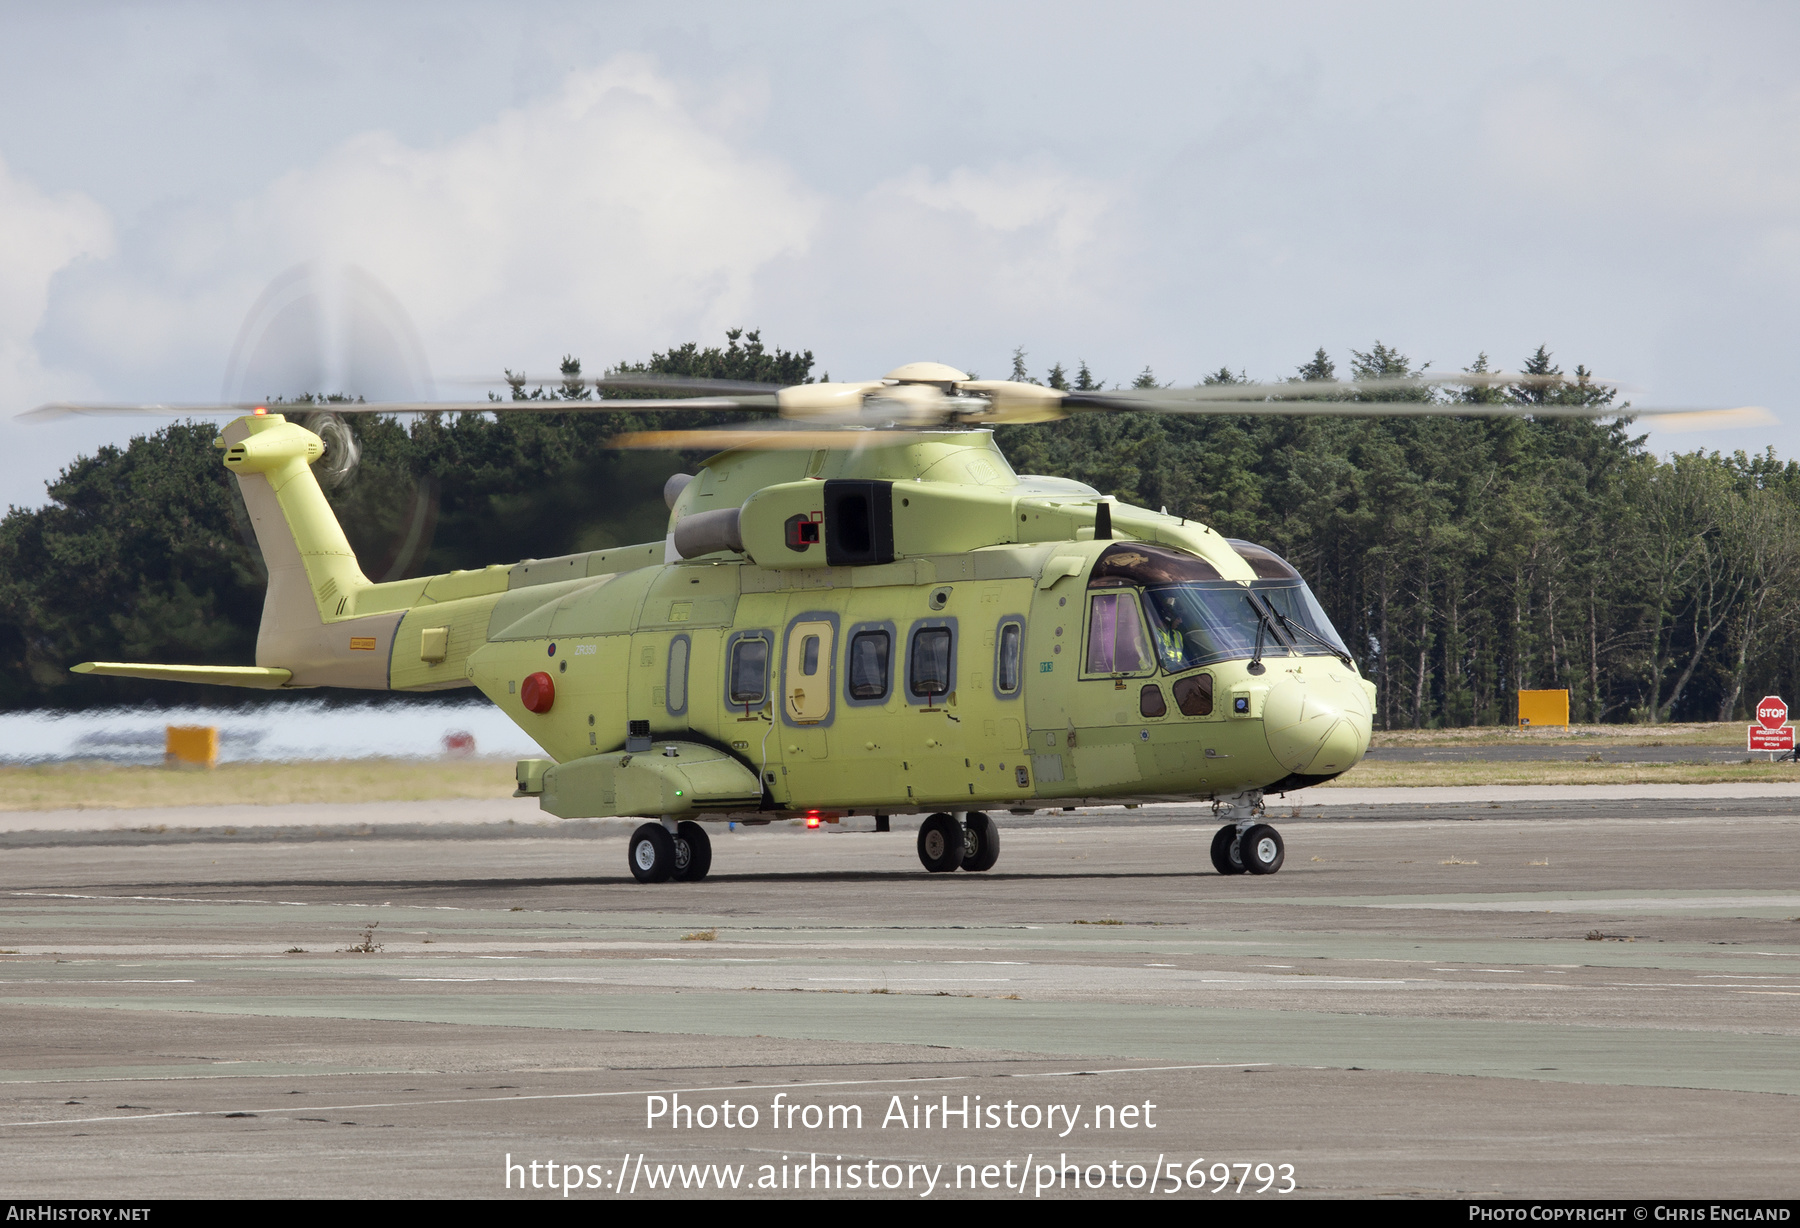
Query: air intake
{"type": "Point", "coordinates": [859, 522]}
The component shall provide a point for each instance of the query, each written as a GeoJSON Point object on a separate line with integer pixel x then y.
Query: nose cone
{"type": "Point", "coordinates": [1317, 724]}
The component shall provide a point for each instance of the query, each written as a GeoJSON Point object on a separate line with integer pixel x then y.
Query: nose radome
{"type": "Point", "coordinates": [1317, 725]}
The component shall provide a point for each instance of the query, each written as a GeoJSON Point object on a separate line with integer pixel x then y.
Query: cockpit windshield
{"type": "Point", "coordinates": [1295, 603]}
{"type": "Point", "coordinates": [1197, 624]}
{"type": "Point", "coordinates": [1196, 617]}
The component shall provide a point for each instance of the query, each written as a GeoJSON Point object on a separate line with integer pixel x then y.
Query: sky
{"type": "Point", "coordinates": [459, 188]}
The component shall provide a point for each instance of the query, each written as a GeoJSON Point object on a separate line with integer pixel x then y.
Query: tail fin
{"type": "Point", "coordinates": [309, 623]}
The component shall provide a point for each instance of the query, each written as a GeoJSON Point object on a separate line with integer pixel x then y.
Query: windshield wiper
{"type": "Point", "coordinates": [1264, 622]}
{"type": "Point", "coordinates": [1290, 627]}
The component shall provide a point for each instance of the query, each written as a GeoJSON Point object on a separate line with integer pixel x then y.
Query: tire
{"type": "Point", "coordinates": [1224, 850]}
{"type": "Point", "coordinates": [651, 853]}
{"type": "Point", "coordinates": [940, 844]}
{"type": "Point", "coordinates": [1261, 849]}
{"type": "Point", "coordinates": [981, 843]}
{"type": "Point", "coordinates": [693, 853]}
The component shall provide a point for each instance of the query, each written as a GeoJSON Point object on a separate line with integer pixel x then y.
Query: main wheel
{"type": "Point", "coordinates": [652, 853]}
{"type": "Point", "coordinates": [981, 842]}
{"type": "Point", "coordinates": [693, 853]}
{"type": "Point", "coordinates": [1261, 850]}
{"type": "Point", "coordinates": [940, 843]}
{"type": "Point", "coordinates": [1225, 850]}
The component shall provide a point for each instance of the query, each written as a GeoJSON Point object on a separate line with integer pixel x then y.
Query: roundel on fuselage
{"type": "Point", "coordinates": [1144, 564]}
{"type": "Point", "coordinates": [1263, 561]}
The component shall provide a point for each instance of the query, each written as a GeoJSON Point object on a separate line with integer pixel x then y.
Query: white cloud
{"type": "Point", "coordinates": [40, 234]}
{"type": "Point", "coordinates": [1632, 142]}
{"type": "Point", "coordinates": [615, 217]}
{"type": "Point", "coordinates": [608, 218]}
{"type": "Point", "coordinates": [957, 267]}
{"type": "Point", "coordinates": [1010, 199]}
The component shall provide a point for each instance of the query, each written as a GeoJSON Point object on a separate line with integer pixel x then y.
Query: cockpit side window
{"type": "Point", "coordinates": [1116, 642]}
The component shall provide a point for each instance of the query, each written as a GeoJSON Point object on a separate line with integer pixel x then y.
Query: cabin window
{"type": "Point", "coordinates": [678, 675]}
{"type": "Point", "coordinates": [1011, 650]}
{"type": "Point", "coordinates": [1151, 703]}
{"type": "Point", "coordinates": [749, 671]}
{"type": "Point", "coordinates": [930, 661]}
{"type": "Point", "coordinates": [869, 652]}
{"type": "Point", "coordinates": [1116, 641]}
{"type": "Point", "coordinates": [809, 655]}
{"type": "Point", "coordinates": [1194, 694]}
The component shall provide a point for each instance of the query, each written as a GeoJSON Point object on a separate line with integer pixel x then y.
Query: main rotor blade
{"type": "Point", "coordinates": [1324, 390]}
{"type": "Point", "coordinates": [673, 383]}
{"type": "Point", "coordinates": [704, 439]}
{"type": "Point", "coordinates": [544, 405]}
{"type": "Point", "coordinates": [1681, 418]}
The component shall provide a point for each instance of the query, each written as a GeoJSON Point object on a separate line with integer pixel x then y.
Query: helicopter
{"type": "Point", "coordinates": [858, 610]}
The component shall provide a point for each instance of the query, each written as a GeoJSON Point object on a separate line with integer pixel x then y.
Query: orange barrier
{"type": "Point", "coordinates": [1543, 707]}
{"type": "Point", "coordinates": [191, 745]}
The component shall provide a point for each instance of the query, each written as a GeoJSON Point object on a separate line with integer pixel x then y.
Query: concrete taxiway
{"type": "Point", "coordinates": [1574, 994]}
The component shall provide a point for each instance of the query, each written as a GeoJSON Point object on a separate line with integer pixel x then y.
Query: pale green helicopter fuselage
{"type": "Point", "coordinates": [898, 626]}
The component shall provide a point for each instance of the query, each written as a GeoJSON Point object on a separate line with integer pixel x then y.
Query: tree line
{"type": "Point", "coordinates": [1462, 559]}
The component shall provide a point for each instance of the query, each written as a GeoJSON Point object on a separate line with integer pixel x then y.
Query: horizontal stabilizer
{"type": "Point", "coordinates": [218, 675]}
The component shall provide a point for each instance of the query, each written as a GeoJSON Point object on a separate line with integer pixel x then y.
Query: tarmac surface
{"type": "Point", "coordinates": [1529, 753]}
{"type": "Point", "coordinates": [1572, 995]}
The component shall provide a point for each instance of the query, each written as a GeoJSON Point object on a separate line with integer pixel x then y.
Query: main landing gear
{"type": "Point", "coordinates": [663, 851]}
{"type": "Point", "coordinates": [945, 844]}
{"type": "Point", "coordinates": [1245, 845]}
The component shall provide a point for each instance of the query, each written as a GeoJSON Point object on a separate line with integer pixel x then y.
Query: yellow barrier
{"type": "Point", "coordinates": [197, 745]}
{"type": "Point", "coordinates": [1543, 707]}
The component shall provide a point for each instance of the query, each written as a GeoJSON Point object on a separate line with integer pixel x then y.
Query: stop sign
{"type": "Point", "coordinates": [1771, 712]}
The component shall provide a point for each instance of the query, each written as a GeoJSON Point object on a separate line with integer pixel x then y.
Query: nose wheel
{"type": "Point", "coordinates": [1225, 850]}
{"type": "Point", "coordinates": [1256, 849]}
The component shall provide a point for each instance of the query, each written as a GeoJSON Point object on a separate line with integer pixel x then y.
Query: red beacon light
{"type": "Point", "coordinates": [812, 819]}
{"type": "Point", "coordinates": [537, 693]}
{"type": "Point", "coordinates": [261, 411]}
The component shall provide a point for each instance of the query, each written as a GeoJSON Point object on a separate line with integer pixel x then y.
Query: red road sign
{"type": "Point", "coordinates": [1771, 712]}
{"type": "Point", "coordinates": [1771, 739]}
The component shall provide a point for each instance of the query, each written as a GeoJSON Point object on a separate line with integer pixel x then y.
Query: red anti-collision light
{"type": "Point", "coordinates": [537, 693]}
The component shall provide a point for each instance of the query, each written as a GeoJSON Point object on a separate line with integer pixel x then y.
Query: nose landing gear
{"type": "Point", "coordinates": [1260, 849]}
{"type": "Point", "coordinates": [1243, 845]}
{"type": "Point", "coordinates": [1225, 856]}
